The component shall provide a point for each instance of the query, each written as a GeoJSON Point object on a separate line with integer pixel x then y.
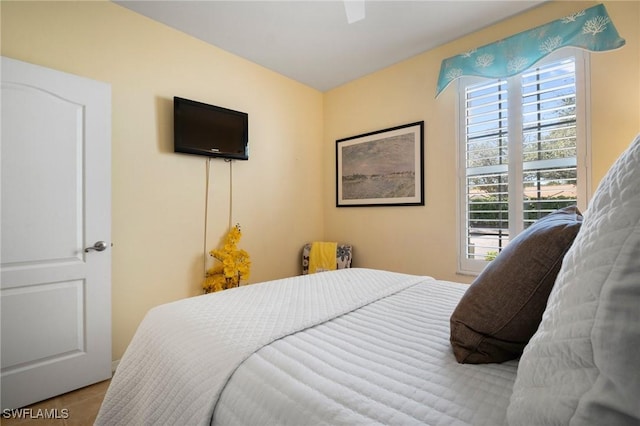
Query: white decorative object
{"type": "Point", "coordinates": [550, 44]}
{"type": "Point", "coordinates": [517, 64]}
{"type": "Point", "coordinates": [595, 25]}
{"type": "Point", "coordinates": [484, 61]}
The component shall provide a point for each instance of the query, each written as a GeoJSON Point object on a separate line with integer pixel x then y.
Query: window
{"type": "Point", "coordinates": [523, 153]}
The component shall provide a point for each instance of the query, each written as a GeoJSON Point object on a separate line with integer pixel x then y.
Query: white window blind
{"type": "Point", "coordinates": [519, 155]}
{"type": "Point", "coordinates": [549, 139]}
{"type": "Point", "coordinates": [487, 173]}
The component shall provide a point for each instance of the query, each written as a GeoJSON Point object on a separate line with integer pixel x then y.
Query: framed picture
{"type": "Point", "coordinates": [382, 168]}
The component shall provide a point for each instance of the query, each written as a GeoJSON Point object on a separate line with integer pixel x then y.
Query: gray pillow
{"type": "Point", "coordinates": [503, 307]}
{"type": "Point", "coordinates": [582, 366]}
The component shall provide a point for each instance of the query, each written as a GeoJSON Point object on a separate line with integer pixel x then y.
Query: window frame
{"type": "Point", "coordinates": [473, 267]}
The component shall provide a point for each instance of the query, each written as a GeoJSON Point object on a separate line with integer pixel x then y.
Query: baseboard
{"type": "Point", "coordinates": [114, 365]}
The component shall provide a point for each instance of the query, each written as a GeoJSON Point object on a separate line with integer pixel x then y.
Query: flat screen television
{"type": "Point", "coordinates": [209, 130]}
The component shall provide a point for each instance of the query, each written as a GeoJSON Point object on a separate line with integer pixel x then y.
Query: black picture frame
{"type": "Point", "coordinates": [381, 168]}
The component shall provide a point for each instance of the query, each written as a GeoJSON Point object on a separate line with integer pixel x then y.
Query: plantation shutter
{"type": "Point", "coordinates": [520, 151]}
{"type": "Point", "coordinates": [487, 157]}
{"type": "Point", "coordinates": [549, 139]}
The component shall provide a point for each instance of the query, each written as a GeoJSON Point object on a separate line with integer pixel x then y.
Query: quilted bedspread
{"type": "Point", "coordinates": [183, 353]}
{"type": "Point", "coordinates": [388, 363]}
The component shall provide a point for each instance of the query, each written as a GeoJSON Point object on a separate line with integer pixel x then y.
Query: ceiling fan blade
{"type": "Point", "coordinates": [355, 10]}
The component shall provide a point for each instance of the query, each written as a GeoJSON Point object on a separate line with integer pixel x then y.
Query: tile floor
{"type": "Point", "coordinates": [81, 407]}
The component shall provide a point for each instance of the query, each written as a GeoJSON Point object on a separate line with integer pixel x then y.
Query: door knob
{"type": "Point", "coordinates": [98, 246]}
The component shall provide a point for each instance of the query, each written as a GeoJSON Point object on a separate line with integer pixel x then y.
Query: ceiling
{"type": "Point", "coordinates": [312, 42]}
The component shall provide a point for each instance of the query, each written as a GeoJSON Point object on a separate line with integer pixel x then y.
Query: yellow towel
{"type": "Point", "coordinates": [322, 257]}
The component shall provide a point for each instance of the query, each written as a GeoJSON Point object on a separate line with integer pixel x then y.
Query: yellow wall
{"type": "Point", "coordinates": [422, 240]}
{"type": "Point", "coordinates": [158, 196]}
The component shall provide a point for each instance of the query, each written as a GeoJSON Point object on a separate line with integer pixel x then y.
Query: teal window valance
{"type": "Point", "coordinates": [589, 29]}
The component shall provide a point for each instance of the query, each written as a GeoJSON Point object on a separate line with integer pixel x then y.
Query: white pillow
{"type": "Point", "coordinates": [582, 366]}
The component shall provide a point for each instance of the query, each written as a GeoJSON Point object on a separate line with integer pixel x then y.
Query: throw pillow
{"type": "Point", "coordinates": [502, 308]}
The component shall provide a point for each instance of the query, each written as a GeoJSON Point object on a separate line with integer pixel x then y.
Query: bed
{"type": "Point", "coordinates": [364, 346]}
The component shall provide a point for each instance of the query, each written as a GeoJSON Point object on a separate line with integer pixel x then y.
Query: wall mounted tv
{"type": "Point", "coordinates": [210, 130]}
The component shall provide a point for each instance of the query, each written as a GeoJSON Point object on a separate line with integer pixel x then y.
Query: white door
{"type": "Point", "coordinates": [56, 201]}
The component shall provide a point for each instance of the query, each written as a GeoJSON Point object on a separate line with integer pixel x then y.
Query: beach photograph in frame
{"type": "Point", "coordinates": [381, 168]}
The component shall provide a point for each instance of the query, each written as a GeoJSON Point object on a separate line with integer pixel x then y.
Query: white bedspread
{"type": "Point", "coordinates": [389, 363]}
{"type": "Point", "coordinates": [184, 352]}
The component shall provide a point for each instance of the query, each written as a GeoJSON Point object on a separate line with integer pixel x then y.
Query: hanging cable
{"type": "Point", "coordinates": [230, 193]}
{"type": "Point", "coordinates": [206, 206]}
{"type": "Point", "coordinates": [206, 213]}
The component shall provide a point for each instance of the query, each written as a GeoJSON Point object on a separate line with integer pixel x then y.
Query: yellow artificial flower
{"type": "Point", "coordinates": [234, 264]}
